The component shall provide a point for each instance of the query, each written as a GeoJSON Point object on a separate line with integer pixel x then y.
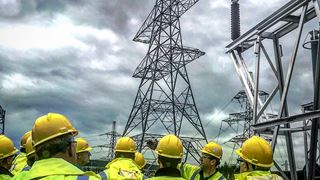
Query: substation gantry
{"type": "Point", "coordinates": [288, 21]}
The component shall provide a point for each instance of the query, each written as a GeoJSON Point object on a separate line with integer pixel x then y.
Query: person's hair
{"type": "Point", "coordinates": [23, 150]}
{"type": "Point", "coordinates": [31, 159]}
{"type": "Point", "coordinates": [1, 161]}
{"type": "Point", "coordinates": [129, 155]}
{"type": "Point", "coordinates": [259, 168]}
{"type": "Point", "coordinates": [169, 162]}
{"type": "Point", "coordinates": [54, 146]}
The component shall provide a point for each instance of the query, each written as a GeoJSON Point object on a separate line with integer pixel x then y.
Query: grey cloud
{"type": "Point", "coordinates": [93, 98]}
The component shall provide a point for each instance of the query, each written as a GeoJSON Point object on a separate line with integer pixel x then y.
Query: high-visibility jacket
{"type": "Point", "coordinates": [121, 168]}
{"type": "Point", "coordinates": [5, 174]}
{"type": "Point", "coordinates": [5, 177]}
{"type": "Point", "coordinates": [257, 175]}
{"type": "Point", "coordinates": [192, 172]}
{"type": "Point", "coordinates": [24, 174]}
{"type": "Point", "coordinates": [167, 173]}
{"type": "Point", "coordinates": [19, 163]}
{"type": "Point", "coordinates": [58, 168]}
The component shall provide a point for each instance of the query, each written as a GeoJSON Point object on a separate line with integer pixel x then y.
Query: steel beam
{"type": "Point", "coordinates": [315, 50]}
{"type": "Point", "coordinates": [271, 20]}
{"type": "Point", "coordinates": [256, 87]}
{"type": "Point", "coordinates": [287, 120]}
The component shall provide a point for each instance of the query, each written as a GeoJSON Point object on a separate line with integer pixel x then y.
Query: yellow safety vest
{"type": "Point", "coordinates": [58, 168]}
{"type": "Point", "coordinates": [19, 163]}
{"type": "Point", "coordinates": [5, 174]}
{"type": "Point", "coordinates": [257, 175]}
{"type": "Point", "coordinates": [24, 174]}
{"type": "Point", "coordinates": [166, 177]}
{"type": "Point", "coordinates": [5, 177]}
{"type": "Point", "coordinates": [191, 172]}
{"type": "Point", "coordinates": [121, 168]}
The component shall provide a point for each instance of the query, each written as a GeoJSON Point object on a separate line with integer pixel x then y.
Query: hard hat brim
{"type": "Point", "coordinates": [169, 156]}
{"type": "Point", "coordinates": [128, 151]}
{"type": "Point", "coordinates": [30, 153]}
{"type": "Point", "coordinates": [10, 154]}
{"type": "Point", "coordinates": [239, 153]}
{"type": "Point", "coordinates": [211, 154]}
{"type": "Point", "coordinates": [73, 132]}
{"type": "Point", "coordinates": [85, 150]}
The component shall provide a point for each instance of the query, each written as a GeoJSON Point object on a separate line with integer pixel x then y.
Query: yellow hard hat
{"type": "Point", "coordinates": [29, 147]}
{"type": "Point", "coordinates": [125, 144]}
{"type": "Point", "coordinates": [170, 146]}
{"type": "Point", "coordinates": [50, 126]}
{"type": "Point", "coordinates": [139, 159]}
{"type": "Point", "coordinates": [24, 139]}
{"type": "Point", "coordinates": [82, 145]}
{"type": "Point", "coordinates": [7, 147]}
{"type": "Point", "coordinates": [213, 149]}
{"type": "Point", "coordinates": [257, 151]}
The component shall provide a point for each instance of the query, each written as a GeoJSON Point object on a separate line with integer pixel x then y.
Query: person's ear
{"type": "Point", "coordinates": [213, 162]}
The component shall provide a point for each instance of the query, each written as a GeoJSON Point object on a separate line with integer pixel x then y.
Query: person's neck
{"type": "Point", "coordinates": [208, 171]}
{"type": "Point", "coordinates": [65, 157]}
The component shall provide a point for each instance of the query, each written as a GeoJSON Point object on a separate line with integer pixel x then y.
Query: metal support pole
{"type": "Point", "coordinates": [316, 103]}
{"type": "Point", "coordinates": [305, 138]}
{"type": "Point", "coordinates": [256, 88]}
{"type": "Point", "coordinates": [243, 78]}
{"type": "Point", "coordinates": [251, 84]}
{"type": "Point", "coordinates": [273, 93]}
{"type": "Point", "coordinates": [290, 148]}
{"type": "Point", "coordinates": [280, 170]}
{"type": "Point", "coordinates": [316, 5]}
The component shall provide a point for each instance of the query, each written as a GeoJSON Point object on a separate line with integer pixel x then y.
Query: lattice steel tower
{"type": "Point", "coordinates": [2, 120]}
{"type": "Point", "coordinates": [165, 95]}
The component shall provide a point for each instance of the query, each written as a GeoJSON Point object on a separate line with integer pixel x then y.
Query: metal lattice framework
{"type": "Point", "coordinates": [165, 99]}
{"type": "Point", "coordinates": [240, 122]}
{"type": "Point", "coordinates": [111, 137]}
{"type": "Point", "coordinates": [2, 120]}
{"type": "Point", "coordinates": [243, 118]}
{"type": "Point", "coordinates": [292, 16]}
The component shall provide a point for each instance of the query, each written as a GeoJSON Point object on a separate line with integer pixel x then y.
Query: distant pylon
{"type": "Point", "coordinates": [164, 101]}
{"type": "Point", "coordinates": [112, 135]}
{"type": "Point", "coordinates": [2, 119]}
{"type": "Point", "coordinates": [240, 122]}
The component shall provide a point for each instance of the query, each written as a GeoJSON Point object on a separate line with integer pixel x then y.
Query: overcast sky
{"type": "Point", "coordinates": [77, 57]}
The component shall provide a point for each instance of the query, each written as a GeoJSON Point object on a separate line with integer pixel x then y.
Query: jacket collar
{"type": "Point", "coordinates": [53, 166]}
{"type": "Point", "coordinates": [118, 160]}
{"type": "Point", "coordinates": [173, 172]}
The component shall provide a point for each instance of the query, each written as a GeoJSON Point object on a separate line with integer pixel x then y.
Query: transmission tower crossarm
{"type": "Point", "coordinates": [144, 34]}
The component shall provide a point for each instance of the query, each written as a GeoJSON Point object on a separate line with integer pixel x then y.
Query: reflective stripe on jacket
{"type": "Point", "coordinates": [192, 172]}
{"type": "Point", "coordinates": [257, 175]}
{"type": "Point", "coordinates": [121, 168]}
{"type": "Point", "coordinates": [19, 163]}
{"type": "Point", "coordinates": [57, 168]}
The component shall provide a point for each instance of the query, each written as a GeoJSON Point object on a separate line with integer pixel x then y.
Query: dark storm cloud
{"type": "Point", "coordinates": [94, 86]}
{"type": "Point", "coordinates": [112, 14]}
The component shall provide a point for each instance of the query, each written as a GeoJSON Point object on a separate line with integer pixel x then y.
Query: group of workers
{"type": "Point", "coordinates": [50, 151]}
